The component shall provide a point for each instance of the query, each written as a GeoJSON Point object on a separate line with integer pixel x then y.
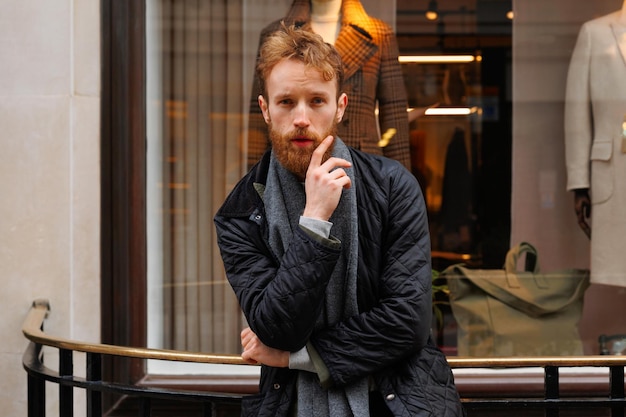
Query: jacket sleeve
{"type": "Point", "coordinates": [578, 117]}
{"type": "Point", "coordinates": [281, 300]}
{"type": "Point", "coordinates": [398, 324]}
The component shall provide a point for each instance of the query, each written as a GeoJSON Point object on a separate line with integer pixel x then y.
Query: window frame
{"type": "Point", "coordinates": [123, 205]}
{"type": "Point", "coordinates": [123, 173]}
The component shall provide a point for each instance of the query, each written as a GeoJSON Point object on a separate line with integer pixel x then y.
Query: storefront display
{"type": "Point", "coordinates": [479, 107]}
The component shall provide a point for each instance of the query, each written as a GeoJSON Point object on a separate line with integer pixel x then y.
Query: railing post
{"type": "Point", "coordinates": [36, 397]}
{"type": "Point", "coordinates": [616, 383]}
{"type": "Point", "coordinates": [66, 392]}
{"type": "Point", "coordinates": [94, 374]}
{"type": "Point", "coordinates": [551, 381]}
{"type": "Point", "coordinates": [37, 386]}
{"type": "Point", "coordinates": [207, 409]}
{"type": "Point", "coordinates": [616, 379]}
{"type": "Point", "coordinates": [551, 387]}
{"type": "Point", "coordinates": [145, 407]}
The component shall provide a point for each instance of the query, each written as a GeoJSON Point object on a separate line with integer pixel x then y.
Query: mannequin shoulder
{"type": "Point", "coordinates": [602, 22]}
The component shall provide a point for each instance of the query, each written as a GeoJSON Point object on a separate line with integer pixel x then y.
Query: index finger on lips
{"type": "Point", "coordinates": [318, 153]}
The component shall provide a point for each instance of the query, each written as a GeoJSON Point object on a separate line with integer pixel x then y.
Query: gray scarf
{"type": "Point", "coordinates": [284, 199]}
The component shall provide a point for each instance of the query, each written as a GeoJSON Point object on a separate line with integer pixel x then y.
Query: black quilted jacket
{"type": "Point", "coordinates": [281, 298]}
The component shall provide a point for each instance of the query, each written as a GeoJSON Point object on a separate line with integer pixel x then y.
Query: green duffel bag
{"type": "Point", "coordinates": [517, 313]}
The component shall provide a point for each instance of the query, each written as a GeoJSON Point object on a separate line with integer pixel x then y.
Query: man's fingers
{"type": "Point", "coordinates": [246, 336]}
{"type": "Point", "coordinates": [334, 164]}
{"type": "Point", "coordinates": [245, 333]}
{"type": "Point", "coordinates": [318, 153]}
{"type": "Point", "coordinates": [248, 358]}
{"type": "Point", "coordinates": [340, 175]}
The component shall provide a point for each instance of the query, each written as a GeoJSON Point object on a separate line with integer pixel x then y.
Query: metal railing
{"type": "Point", "coordinates": [551, 400]}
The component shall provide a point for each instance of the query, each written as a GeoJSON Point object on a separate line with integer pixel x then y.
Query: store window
{"type": "Point", "coordinates": [493, 173]}
{"type": "Point", "coordinates": [200, 58]}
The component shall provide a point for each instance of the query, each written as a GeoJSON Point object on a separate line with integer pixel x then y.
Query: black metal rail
{"type": "Point", "coordinates": [550, 403]}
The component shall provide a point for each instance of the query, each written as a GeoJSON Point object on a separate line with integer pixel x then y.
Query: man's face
{"type": "Point", "coordinates": [301, 109]}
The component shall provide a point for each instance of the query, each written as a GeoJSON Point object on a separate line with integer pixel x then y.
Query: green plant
{"type": "Point", "coordinates": [441, 294]}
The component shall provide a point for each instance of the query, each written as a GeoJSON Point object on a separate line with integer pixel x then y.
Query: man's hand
{"type": "Point", "coordinates": [324, 183]}
{"type": "Point", "coordinates": [255, 352]}
{"type": "Point", "coordinates": [582, 205]}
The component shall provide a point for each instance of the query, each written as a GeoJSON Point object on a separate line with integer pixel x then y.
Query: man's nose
{"type": "Point", "coordinates": [301, 116]}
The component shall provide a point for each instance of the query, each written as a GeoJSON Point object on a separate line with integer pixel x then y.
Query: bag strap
{"type": "Point", "coordinates": [531, 266]}
{"type": "Point", "coordinates": [532, 261]}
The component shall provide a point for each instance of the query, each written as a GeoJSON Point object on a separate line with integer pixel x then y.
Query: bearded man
{"type": "Point", "coordinates": [327, 249]}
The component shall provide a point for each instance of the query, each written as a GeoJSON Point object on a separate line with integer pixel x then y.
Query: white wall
{"type": "Point", "coordinates": [49, 177]}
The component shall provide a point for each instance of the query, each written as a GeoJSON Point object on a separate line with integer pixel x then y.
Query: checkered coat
{"type": "Point", "coordinates": [369, 52]}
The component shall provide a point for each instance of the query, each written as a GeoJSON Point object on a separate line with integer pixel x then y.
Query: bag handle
{"type": "Point", "coordinates": [531, 266]}
{"type": "Point", "coordinates": [532, 261]}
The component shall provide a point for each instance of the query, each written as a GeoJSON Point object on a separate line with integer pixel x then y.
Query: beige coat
{"type": "Point", "coordinates": [595, 108]}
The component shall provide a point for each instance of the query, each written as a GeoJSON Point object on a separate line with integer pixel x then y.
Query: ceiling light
{"type": "Point", "coordinates": [450, 111]}
{"type": "Point", "coordinates": [431, 12]}
{"type": "Point", "coordinates": [436, 59]}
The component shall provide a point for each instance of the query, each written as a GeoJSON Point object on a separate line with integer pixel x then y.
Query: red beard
{"type": "Point", "coordinates": [297, 159]}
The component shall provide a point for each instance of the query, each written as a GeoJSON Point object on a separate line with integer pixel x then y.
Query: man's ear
{"type": "Point", "coordinates": [264, 109]}
{"type": "Point", "coordinates": [342, 103]}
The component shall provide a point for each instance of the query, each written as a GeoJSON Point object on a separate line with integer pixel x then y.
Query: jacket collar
{"type": "Point", "coordinates": [246, 197]}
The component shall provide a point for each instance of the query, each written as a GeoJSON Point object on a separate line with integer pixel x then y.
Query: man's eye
{"type": "Point", "coordinates": [318, 100]}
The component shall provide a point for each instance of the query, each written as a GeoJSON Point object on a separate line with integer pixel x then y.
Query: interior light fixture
{"type": "Point", "coordinates": [510, 15]}
{"type": "Point", "coordinates": [431, 12]}
{"type": "Point", "coordinates": [436, 59]}
{"type": "Point", "coordinates": [450, 111]}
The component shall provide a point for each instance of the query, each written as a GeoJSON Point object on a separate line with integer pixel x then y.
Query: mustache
{"type": "Point", "coordinates": [305, 133]}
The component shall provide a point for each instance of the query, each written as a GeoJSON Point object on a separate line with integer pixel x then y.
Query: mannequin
{"type": "Point", "coordinates": [595, 141]}
{"type": "Point", "coordinates": [373, 79]}
{"type": "Point", "coordinates": [326, 19]}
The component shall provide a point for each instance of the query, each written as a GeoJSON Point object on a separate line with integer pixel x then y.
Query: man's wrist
{"type": "Point", "coordinates": [320, 227]}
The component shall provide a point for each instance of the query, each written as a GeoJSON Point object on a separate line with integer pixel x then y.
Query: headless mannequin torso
{"type": "Point", "coordinates": [326, 19]}
{"type": "Point", "coordinates": [582, 200]}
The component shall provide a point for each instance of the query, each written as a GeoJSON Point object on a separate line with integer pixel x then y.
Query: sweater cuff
{"type": "Point", "coordinates": [319, 227]}
{"type": "Point", "coordinates": [301, 360]}
{"type": "Point", "coordinates": [322, 371]}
